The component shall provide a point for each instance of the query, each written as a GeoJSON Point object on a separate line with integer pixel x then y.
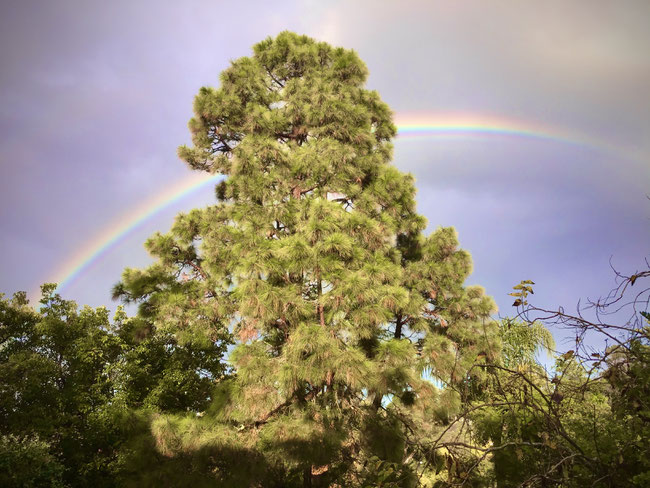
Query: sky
{"type": "Point", "coordinates": [95, 98]}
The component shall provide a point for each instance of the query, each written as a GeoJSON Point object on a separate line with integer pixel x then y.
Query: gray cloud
{"type": "Point", "coordinates": [95, 98]}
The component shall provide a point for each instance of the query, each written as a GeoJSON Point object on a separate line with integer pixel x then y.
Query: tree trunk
{"type": "Point", "coordinates": [306, 477]}
{"type": "Point", "coordinates": [398, 327]}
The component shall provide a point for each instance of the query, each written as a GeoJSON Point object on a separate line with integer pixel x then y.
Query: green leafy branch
{"type": "Point", "coordinates": [522, 290]}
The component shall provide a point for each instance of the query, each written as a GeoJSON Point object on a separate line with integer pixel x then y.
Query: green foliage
{"type": "Point", "coordinates": [567, 430]}
{"type": "Point", "coordinates": [522, 290]}
{"type": "Point", "coordinates": [314, 260]}
{"type": "Point", "coordinates": [522, 341]}
{"type": "Point", "coordinates": [69, 380]}
{"type": "Point", "coordinates": [54, 378]}
{"type": "Point", "coordinates": [356, 356]}
{"type": "Point", "coordinates": [28, 463]}
{"type": "Point", "coordinates": [584, 422]}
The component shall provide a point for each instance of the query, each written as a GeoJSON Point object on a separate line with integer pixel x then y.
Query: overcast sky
{"type": "Point", "coordinates": [95, 98]}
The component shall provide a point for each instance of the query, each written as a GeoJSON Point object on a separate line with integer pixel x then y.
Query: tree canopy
{"type": "Point", "coordinates": [72, 383]}
{"type": "Point", "coordinates": [314, 258]}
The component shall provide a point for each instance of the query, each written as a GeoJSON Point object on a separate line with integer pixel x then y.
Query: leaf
{"type": "Point", "coordinates": [517, 302]}
{"type": "Point", "coordinates": [633, 279]}
{"type": "Point", "coordinates": [568, 355]}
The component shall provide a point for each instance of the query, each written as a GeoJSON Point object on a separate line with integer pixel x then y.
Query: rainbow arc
{"type": "Point", "coordinates": [457, 125]}
{"type": "Point", "coordinates": [410, 126]}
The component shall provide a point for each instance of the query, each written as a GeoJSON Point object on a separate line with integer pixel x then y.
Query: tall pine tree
{"type": "Point", "coordinates": [355, 339]}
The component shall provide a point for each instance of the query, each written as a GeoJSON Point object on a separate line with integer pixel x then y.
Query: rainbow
{"type": "Point", "coordinates": [462, 126]}
{"type": "Point", "coordinates": [410, 126]}
{"type": "Point", "coordinates": [120, 228]}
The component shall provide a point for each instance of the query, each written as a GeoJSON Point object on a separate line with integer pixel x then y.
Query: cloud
{"type": "Point", "coordinates": [96, 97]}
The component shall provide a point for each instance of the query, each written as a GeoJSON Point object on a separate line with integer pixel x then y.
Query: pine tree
{"type": "Point", "coordinates": [314, 260]}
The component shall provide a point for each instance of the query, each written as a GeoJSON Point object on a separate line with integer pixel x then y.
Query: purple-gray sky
{"type": "Point", "coordinates": [95, 98]}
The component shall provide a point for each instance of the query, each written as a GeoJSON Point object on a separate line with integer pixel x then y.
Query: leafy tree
{"type": "Point", "coordinates": [54, 380]}
{"type": "Point", "coordinates": [156, 373]}
{"type": "Point", "coordinates": [521, 342]}
{"type": "Point", "coordinates": [314, 259]}
{"type": "Point", "coordinates": [28, 463]}
{"type": "Point", "coordinates": [602, 394]}
{"type": "Point", "coordinates": [71, 382]}
{"type": "Point", "coordinates": [584, 422]}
